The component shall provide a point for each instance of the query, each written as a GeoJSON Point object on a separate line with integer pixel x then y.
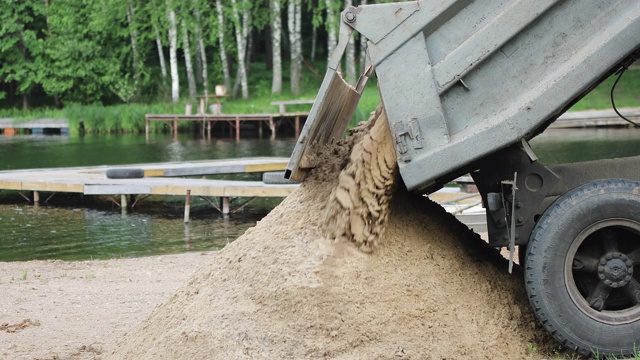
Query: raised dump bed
{"type": "Point", "coordinates": [465, 85]}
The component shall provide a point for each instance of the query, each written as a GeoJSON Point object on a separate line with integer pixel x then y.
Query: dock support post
{"type": "Point", "coordinates": [237, 129]}
{"type": "Point", "coordinates": [123, 204]}
{"type": "Point", "coordinates": [146, 129]}
{"type": "Point", "coordinates": [259, 129]}
{"type": "Point", "coordinates": [187, 206]}
{"type": "Point", "coordinates": [297, 126]}
{"type": "Point", "coordinates": [36, 197]}
{"type": "Point", "coordinates": [209, 129]}
{"type": "Point", "coordinates": [175, 129]}
{"type": "Point", "coordinates": [224, 205]}
{"type": "Point", "coordinates": [272, 127]}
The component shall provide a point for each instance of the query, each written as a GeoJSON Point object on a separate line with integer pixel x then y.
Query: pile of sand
{"type": "Point", "coordinates": [284, 291]}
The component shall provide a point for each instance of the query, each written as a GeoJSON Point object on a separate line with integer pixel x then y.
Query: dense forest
{"type": "Point", "coordinates": [55, 53]}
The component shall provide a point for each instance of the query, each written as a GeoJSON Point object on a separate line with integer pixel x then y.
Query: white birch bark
{"type": "Point", "coordinates": [295, 38]}
{"type": "Point", "coordinates": [191, 79]}
{"type": "Point", "coordinates": [163, 66]}
{"type": "Point", "coordinates": [133, 33]}
{"type": "Point", "coordinates": [314, 39]}
{"type": "Point", "coordinates": [276, 38]}
{"type": "Point", "coordinates": [350, 57]}
{"type": "Point", "coordinates": [223, 51]}
{"type": "Point", "coordinates": [201, 50]}
{"type": "Point", "coordinates": [331, 25]}
{"type": "Point", "coordinates": [242, 33]}
{"type": "Point", "coordinates": [173, 54]}
{"type": "Point", "coordinates": [363, 47]}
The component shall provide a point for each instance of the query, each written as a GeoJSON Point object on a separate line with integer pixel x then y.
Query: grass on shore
{"type": "Point", "coordinates": [97, 118]}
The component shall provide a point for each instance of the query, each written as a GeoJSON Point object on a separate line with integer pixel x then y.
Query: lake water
{"type": "Point", "coordinates": [72, 228]}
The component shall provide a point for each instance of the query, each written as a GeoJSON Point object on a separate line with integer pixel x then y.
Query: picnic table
{"type": "Point", "coordinates": [204, 100]}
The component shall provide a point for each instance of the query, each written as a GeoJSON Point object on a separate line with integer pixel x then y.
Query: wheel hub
{"type": "Point", "coordinates": [615, 269]}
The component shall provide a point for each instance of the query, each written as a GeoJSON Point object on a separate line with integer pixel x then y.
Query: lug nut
{"type": "Point", "coordinates": [607, 282]}
{"type": "Point", "coordinates": [601, 276]}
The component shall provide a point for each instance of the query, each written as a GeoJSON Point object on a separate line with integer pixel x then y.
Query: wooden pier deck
{"type": "Point", "coordinates": [596, 118]}
{"type": "Point", "coordinates": [159, 179]}
{"type": "Point", "coordinates": [273, 121]}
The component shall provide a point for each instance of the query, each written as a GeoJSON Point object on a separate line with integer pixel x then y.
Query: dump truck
{"type": "Point", "coordinates": [466, 85]}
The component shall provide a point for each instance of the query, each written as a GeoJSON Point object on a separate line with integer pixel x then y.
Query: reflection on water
{"type": "Point", "coordinates": [571, 145]}
{"type": "Point", "coordinates": [62, 232]}
{"type": "Point", "coordinates": [30, 232]}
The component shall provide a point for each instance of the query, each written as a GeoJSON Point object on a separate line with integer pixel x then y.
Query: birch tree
{"type": "Point", "coordinates": [223, 52]}
{"type": "Point", "coordinates": [133, 33]}
{"type": "Point", "coordinates": [363, 47]}
{"type": "Point", "coordinates": [350, 57]}
{"type": "Point", "coordinates": [173, 54]}
{"type": "Point", "coordinates": [276, 37]}
{"type": "Point", "coordinates": [295, 39]}
{"type": "Point", "coordinates": [332, 28]}
{"type": "Point", "coordinates": [241, 26]}
{"type": "Point", "coordinates": [163, 66]}
{"type": "Point", "coordinates": [200, 49]}
{"type": "Point", "coordinates": [186, 49]}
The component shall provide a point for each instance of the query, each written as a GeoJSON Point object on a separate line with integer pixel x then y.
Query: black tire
{"type": "Point", "coordinates": [275, 177]}
{"type": "Point", "coordinates": [125, 173]}
{"type": "Point", "coordinates": [578, 268]}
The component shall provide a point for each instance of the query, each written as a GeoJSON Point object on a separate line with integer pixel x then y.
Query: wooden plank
{"type": "Point", "coordinates": [154, 173]}
{"type": "Point", "coordinates": [116, 189]}
{"type": "Point", "coordinates": [265, 167]}
{"type": "Point", "coordinates": [53, 186]}
{"type": "Point", "coordinates": [10, 185]}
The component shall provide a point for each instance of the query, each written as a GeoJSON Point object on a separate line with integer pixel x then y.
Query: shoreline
{"type": "Point", "coordinates": [81, 309]}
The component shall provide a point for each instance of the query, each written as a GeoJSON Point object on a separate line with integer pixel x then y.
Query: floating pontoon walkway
{"type": "Point", "coordinates": [159, 179]}
{"type": "Point", "coordinates": [8, 125]}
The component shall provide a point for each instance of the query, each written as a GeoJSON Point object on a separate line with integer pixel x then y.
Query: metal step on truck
{"type": "Point", "coordinates": [465, 85]}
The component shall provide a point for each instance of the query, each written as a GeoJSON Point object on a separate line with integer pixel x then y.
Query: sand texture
{"type": "Point", "coordinates": [284, 290]}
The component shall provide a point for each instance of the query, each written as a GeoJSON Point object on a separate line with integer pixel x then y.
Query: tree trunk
{"type": "Point", "coordinates": [295, 38]}
{"type": "Point", "coordinates": [163, 66]}
{"type": "Point", "coordinates": [133, 33]}
{"type": "Point", "coordinates": [201, 51]}
{"type": "Point", "coordinates": [242, 33]}
{"type": "Point", "coordinates": [276, 35]}
{"type": "Point", "coordinates": [191, 79]}
{"type": "Point", "coordinates": [314, 40]}
{"type": "Point", "coordinates": [351, 54]}
{"type": "Point", "coordinates": [173, 54]}
{"type": "Point", "coordinates": [223, 51]}
{"type": "Point", "coordinates": [363, 47]}
{"type": "Point", "coordinates": [56, 98]}
{"type": "Point", "coordinates": [247, 64]}
{"type": "Point", "coordinates": [331, 25]}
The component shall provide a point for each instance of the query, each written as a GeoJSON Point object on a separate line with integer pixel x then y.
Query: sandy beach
{"type": "Point", "coordinates": [78, 310]}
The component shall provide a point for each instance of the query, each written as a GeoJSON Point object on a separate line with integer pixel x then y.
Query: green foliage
{"type": "Point", "coordinates": [82, 52]}
{"type": "Point", "coordinates": [627, 93]}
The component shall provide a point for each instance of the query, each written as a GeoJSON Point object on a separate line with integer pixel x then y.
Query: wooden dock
{"type": "Point", "coordinates": [596, 118]}
{"type": "Point", "coordinates": [272, 121]}
{"type": "Point", "coordinates": [159, 179]}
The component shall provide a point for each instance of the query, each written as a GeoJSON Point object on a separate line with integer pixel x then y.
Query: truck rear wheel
{"type": "Point", "coordinates": [582, 268]}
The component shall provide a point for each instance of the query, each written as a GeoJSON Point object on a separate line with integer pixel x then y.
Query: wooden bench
{"type": "Point", "coordinates": [282, 104]}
